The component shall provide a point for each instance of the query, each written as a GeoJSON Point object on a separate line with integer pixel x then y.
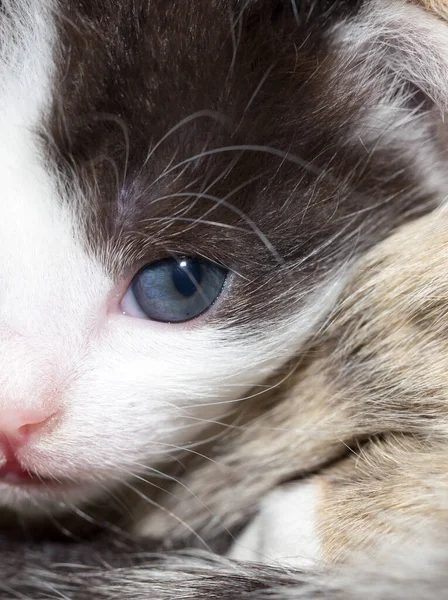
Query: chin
{"type": "Point", "coordinates": [45, 499]}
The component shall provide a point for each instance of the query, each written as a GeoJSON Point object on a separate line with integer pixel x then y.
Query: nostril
{"type": "Point", "coordinates": [19, 426]}
{"type": "Point", "coordinates": [33, 427]}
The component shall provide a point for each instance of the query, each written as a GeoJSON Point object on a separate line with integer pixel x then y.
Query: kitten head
{"type": "Point", "coordinates": [184, 190]}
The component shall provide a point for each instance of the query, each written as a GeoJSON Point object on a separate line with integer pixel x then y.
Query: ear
{"type": "Point", "coordinates": [399, 50]}
{"type": "Point", "coordinates": [409, 38]}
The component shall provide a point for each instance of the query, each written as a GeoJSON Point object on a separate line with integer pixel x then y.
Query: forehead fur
{"type": "Point", "coordinates": [241, 131]}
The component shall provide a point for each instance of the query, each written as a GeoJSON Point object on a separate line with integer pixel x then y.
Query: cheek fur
{"type": "Point", "coordinates": [142, 389]}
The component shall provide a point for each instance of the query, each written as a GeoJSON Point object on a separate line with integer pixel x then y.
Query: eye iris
{"type": "Point", "coordinates": [175, 291]}
{"type": "Point", "coordinates": [187, 277]}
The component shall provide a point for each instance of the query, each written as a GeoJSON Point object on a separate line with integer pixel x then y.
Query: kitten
{"type": "Point", "coordinates": [186, 192]}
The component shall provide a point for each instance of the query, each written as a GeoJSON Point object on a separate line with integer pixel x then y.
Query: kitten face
{"type": "Point", "coordinates": [260, 138]}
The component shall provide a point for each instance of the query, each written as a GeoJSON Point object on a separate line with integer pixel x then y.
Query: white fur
{"type": "Point", "coordinates": [284, 530]}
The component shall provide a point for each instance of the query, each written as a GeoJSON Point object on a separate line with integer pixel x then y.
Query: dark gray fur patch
{"type": "Point", "coordinates": [260, 172]}
{"type": "Point", "coordinates": [105, 571]}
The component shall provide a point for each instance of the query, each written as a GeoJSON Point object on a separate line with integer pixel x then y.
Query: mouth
{"type": "Point", "coordinates": [33, 492]}
{"type": "Point", "coordinates": [12, 473]}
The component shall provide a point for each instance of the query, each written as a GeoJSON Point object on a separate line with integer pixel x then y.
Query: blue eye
{"type": "Point", "coordinates": [177, 290]}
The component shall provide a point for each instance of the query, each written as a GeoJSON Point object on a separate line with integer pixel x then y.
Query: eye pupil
{"type": "Point", "coordinates": [175, 291]}
{"type": "Point", "coordinates": [187, 277]}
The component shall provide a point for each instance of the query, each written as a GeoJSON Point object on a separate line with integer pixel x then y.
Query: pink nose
{"type": "Point", "coordinates": [18, 427]}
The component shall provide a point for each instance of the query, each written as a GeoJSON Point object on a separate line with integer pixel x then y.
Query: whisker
{"type": "Point", "coordinates": [221, 201]}
{"type": "Point", "coordinates": [242, 148]}
{"type": "Point", "coordinates": [159, 506]}
{"type": "Point", "coordinates": [146, 481]}
{"type": "Point", "coordinates": [259, 86]}
{"type": "Point", "coordinates": [218, 117]}
{"type": "Point", "coordinates": [168, 478]}
{"type": "Point", "coordinates": [196, 221]}
{"type": "Point", "coordinates": [295, 11]}
{"type": "Point", "coordinates": [113, 118]}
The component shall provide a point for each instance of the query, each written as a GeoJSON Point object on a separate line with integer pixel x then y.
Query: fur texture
{"type": "Point", "coordinates": [374, 383]}
{"type": "Point", "coordinates": [285, 174]}
{"type": "Point", "coordinates": [286, 156]}
{"type": "Point", "coordinates": [370, 398]}
{"type": "Point", "coordinates": [108, 171]}
{"type": "Point", "coordinates": [107, 572]}
{"type": "Point", "coordinates": [439, 7]}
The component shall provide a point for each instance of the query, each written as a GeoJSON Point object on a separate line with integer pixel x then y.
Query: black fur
{"type": "Point", "coordinates": [283, 187]}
